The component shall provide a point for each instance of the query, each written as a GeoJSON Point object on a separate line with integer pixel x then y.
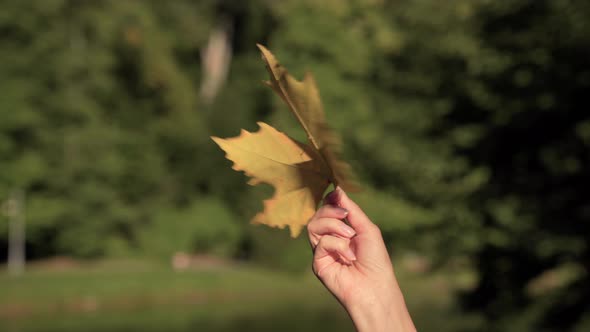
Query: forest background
{"type": "Point", "coordinates": [466, 121]}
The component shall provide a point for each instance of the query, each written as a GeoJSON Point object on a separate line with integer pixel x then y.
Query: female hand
{"type": "Point", "coordinates": [354, 265]}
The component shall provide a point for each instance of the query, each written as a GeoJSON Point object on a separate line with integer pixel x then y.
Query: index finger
{"type": "Point", "coordinates": [356, 217]}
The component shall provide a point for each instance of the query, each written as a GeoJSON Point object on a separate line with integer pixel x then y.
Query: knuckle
{"type": "Point", "coordinates": [375, 230]}
{"type": "Point", "coordinates": [312, 226]}
{"type": "Point", "coordinates": [342, 244]}
{"type": "Point", "coordinates": [315, 269]}
{"type": "Point", "coordinates": [309, 232]}
{"type": "Point", "coordinates": [311, 221]}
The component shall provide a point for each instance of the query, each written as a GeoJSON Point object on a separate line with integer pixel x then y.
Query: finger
{"type": "Point", "coordinates": [331, 211]}
{"type": "Point", "coordinates": [324, 212]}
{"type": "Point", "coordinates": [356, 217]}
{"type": "Point", "coordinates": [330, 226]}
{"type": "Point", "coordinates": [330, 245]}
{"type": "Point", "coordinates": [329, 250]}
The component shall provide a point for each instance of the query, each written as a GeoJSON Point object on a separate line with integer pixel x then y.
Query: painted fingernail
{"type": "Point", "coordinates": [331, 198]}
{"type": "Point", "coordinates": [348, 230]}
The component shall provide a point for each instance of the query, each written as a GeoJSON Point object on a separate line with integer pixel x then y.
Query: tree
{"type": "Point", "coordinates": [469, 125]}
{"type": "Point", "coordinates": [100, 123]}
{"type": "Point", "coordinates": [465, 119]}
{"type": "Point", "coordinates": [535, 146]}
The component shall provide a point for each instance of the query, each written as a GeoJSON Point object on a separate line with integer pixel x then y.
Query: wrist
{"type": "Point", "coordinates": [385, 311]}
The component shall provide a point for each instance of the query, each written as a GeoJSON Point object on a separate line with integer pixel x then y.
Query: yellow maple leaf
{"type": "Point", "coordinates": [292, 167]}
{"type": "Point", "coordinates": [303, 99]}
{"type": "Point", "coordinates": [300, 173]}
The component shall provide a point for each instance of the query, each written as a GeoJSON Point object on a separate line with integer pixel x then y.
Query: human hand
{"type": "Point", "coordinates": [354, 265]}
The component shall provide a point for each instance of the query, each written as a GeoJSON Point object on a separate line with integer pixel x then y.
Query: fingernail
{"type": "Point", "coordinates": [350, 255]}
{"type": "Point", "coordinates": [342, 211]}
{"type": "Point", "coordinates": [331, 198]}
{"type": "Point", "coordinates": [348, 230]}
{"type": "Point", "coordinates": [340, 191]}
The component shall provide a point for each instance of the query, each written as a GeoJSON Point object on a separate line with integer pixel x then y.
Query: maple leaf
{"type": "Point", "coordinates": [303, 99]}
{"type": "Point", "coordinates": [300, 173]}
{"type": "Point", "coordinates": [293, 168]}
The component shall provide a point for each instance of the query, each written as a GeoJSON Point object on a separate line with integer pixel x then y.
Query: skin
{"type": "Point", "coordinates": [353, 263]}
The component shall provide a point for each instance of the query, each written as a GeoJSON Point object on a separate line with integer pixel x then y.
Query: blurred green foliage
{"type": "Point", "coordinates": [466, 120]}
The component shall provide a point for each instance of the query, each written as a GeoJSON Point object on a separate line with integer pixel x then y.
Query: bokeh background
{"type": "Point", "coordinates": [467, 122]}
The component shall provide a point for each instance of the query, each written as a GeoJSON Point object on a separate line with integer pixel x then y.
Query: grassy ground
{"type": "Point", "coordinates": [135, 295]}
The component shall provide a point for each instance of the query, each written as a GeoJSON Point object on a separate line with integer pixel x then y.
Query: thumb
{"type": "Point", "coordinates": [356, 217]}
